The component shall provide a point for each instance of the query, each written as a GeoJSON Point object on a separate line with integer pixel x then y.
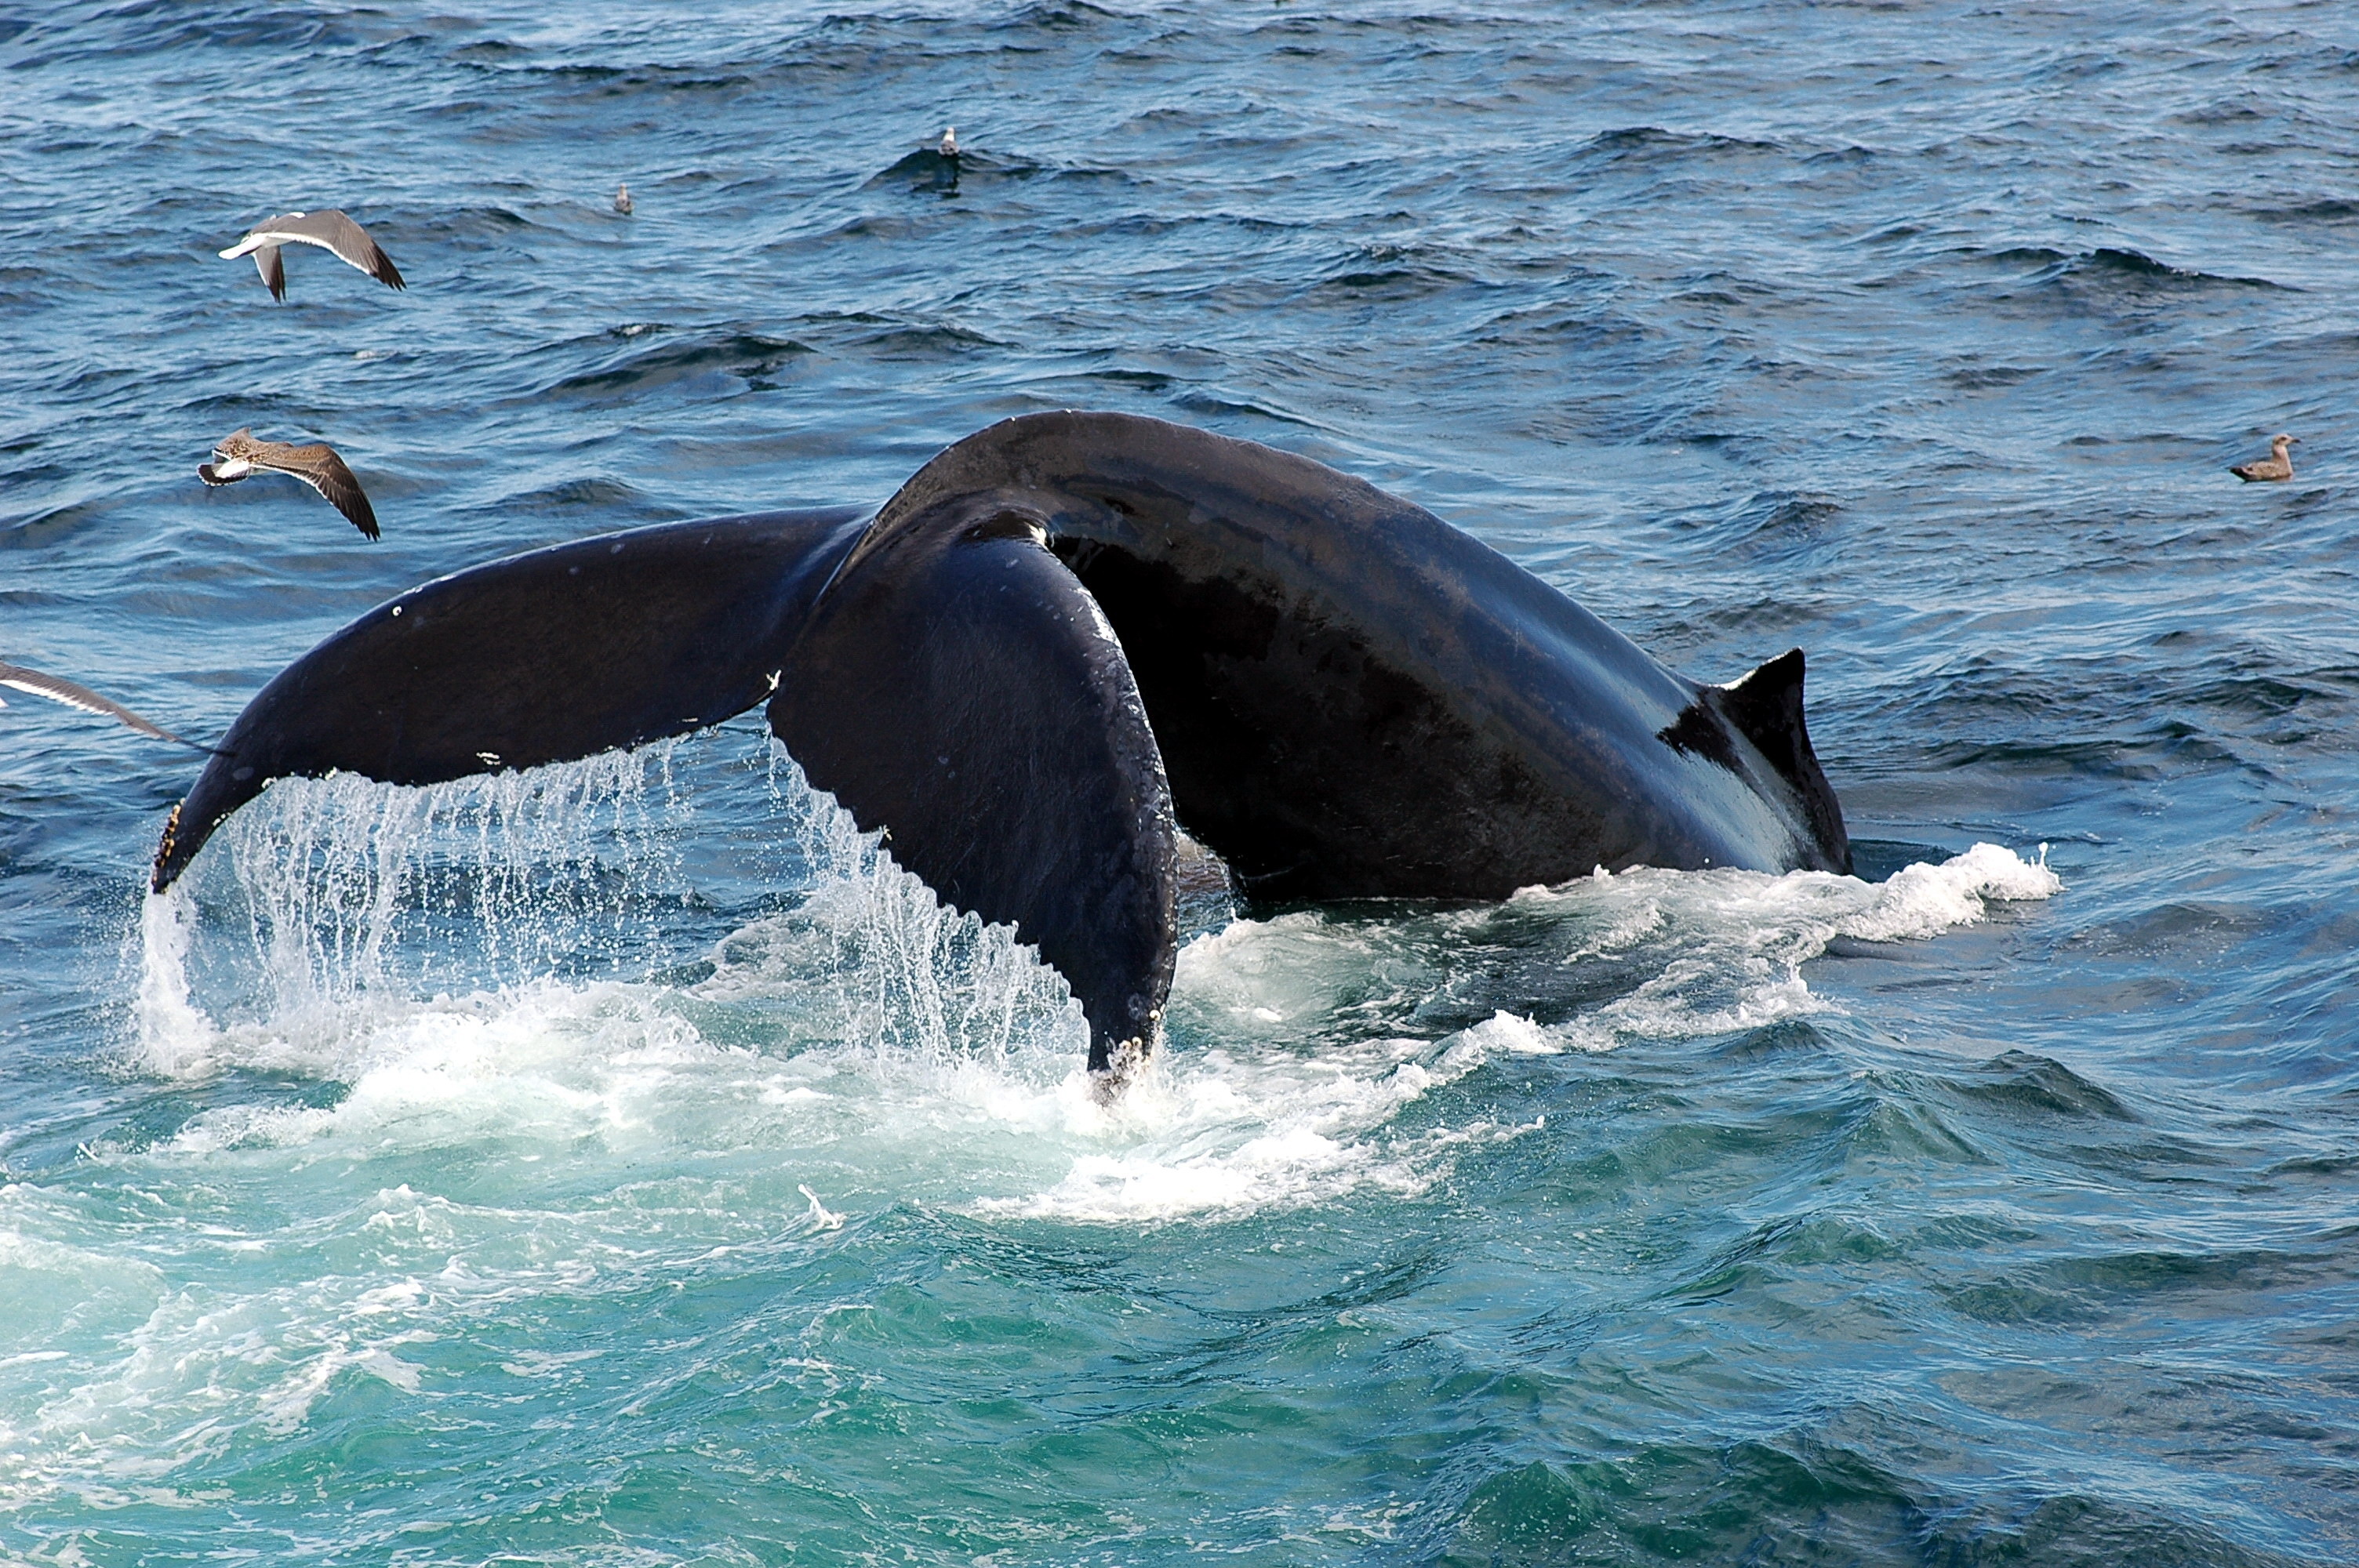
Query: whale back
{"type": "Point", "coordinates": [1355, 699]}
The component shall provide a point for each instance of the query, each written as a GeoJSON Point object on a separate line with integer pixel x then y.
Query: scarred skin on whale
{"type": "Point", "coordinates": [1065, 638]}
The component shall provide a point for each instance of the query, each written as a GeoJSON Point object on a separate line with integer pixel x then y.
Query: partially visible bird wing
{"type": "Point", "coordinates": [347, 239]}
{"type": "Point", "coordinates": [319, 466]}
{"type": "Point", "coordinates": [18, 678]}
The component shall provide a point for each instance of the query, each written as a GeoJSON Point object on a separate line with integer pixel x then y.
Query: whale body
{"type": "Point", "coordinates": [1065, 639]}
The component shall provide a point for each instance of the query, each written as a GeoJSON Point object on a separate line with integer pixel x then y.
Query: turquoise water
{"type": "Point", "coordinates": [624, 1164]}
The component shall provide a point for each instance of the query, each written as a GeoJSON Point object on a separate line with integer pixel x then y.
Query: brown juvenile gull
{"type": "Point", "coordinates": [2279, 464]}
{"type": "Point", "coordinates": [330, 228]}
{"type": "Point", "coordinates": [16, 677]}
{"type": "Point", "coordinates": [237, 456]}
{"type": "Point", "coordinates": [623, 200]}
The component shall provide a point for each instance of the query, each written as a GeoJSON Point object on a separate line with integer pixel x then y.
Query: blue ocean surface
{"type": "Point", "coordinates": [623, 1164]}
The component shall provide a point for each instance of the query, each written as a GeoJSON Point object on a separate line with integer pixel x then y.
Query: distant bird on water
{"type": "Point", "coordinates": [329, 229]}
{"type": "Point", "coordinates": [2279, 464]}
{"type": "Point", "coordinates": [16, 677]}
{"type": "Point", "coordinates": [239, 456]}
{"type": "Point", "coordinates": [623, 200]}
{"type": "Point", "coordinates": [949, 142]}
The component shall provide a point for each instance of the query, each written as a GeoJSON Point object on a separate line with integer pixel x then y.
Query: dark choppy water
{"type": "Point", "coordinates": [618, 1166]}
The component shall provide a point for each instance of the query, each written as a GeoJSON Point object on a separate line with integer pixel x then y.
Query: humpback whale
{"type": "Point", "coordinates": [1066, 639]}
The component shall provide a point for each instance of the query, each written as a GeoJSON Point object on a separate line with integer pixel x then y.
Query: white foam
{"type": "Point", "coordinates": [1923, 901]}
{"type": "Point", "coordinates": [1264, 978]}
{"type": "Point", "coordinates": [931, 1053]}
{"type": "Point", "coordinates": [1250, 1124]}
{"type": "Point", "coordinates": [1232, 1132]}
{"type": "Point", "coordinates": [859, 1048]}
{"type": "Point", "coordinates": [1728, 946]}
{"type": "Point", "coordinates": [821, 1215]}
{"type": "Point", "coordinates": [175, 1039]}
{"type": "Point", "coordinates": [1710, 952]}
{"type": "Point", "coordinates": [172, 1386]}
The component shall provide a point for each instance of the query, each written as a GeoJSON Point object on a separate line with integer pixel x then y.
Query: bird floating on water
{"type": "Point", "coordinates": [329, 229]}
{"type": "Point", "coordinates": [16, 677]}
{"type": "Point", "coordinates": [949, 142]}
{"type": "Point", "coordinates": [2279, 464]}
{"type": "Point", "coordinates": [623, 200]}
{"type": "Point", "coordinates": [239, 456]}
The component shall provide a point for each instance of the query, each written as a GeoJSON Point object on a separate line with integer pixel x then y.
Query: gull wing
{"type": "Point", "coordinates": [319, 466]}
{"type": "Point", "coordinates": [330, 230]}
{"type": "Point", "coordinates": [338, 233]}
{"type": "Point", "coordinates": [16, 677]}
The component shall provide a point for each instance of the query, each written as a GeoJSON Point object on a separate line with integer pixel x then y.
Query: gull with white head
{"type": "Point", "coordinates": [330, 229]}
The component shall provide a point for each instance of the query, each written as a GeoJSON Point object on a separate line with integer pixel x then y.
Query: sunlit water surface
{"type": "Point", "coordinates": [625, 1163]}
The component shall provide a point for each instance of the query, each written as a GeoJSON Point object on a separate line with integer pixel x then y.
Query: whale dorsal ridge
{"type": "Point", "coordinates": [1766, 707]}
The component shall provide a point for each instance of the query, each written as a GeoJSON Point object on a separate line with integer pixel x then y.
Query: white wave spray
{"type": "Point", "coordinates": [541, 956]}
{"type": "Point", "coordinates": [333, 911]}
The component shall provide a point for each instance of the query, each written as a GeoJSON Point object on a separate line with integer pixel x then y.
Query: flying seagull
{"type": "Point", "coordinates": [16, 677]}
{"type": "Point", "coordinates": [330, 228]}
{"type": "Point", "coordinates": [2279, 464]}
{"type": "Point", "coordinates": [237, 456]}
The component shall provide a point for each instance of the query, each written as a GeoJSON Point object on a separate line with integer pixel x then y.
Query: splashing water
{"type": "Point", "coordinates": [341, 890]}
{"type": "Point", "coordinates": [667, 1021]}
{"type": "Point", "coordinates": [554, 954]}
{"type": "Point", "coordinates": [1729, 946]}
{"type": "Point", "coordinates": [338, 908]}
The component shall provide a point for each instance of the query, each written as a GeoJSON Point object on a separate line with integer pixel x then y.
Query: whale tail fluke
{"type": "Point", "coordinates": [1063, 636]}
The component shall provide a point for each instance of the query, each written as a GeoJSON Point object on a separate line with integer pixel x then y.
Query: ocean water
{"type": "Point", "coordinates": [623, 1164]}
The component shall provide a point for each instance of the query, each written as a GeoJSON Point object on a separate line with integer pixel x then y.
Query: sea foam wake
{"type": "Point", "coordinates": [552, 961]}
{"type": "Point", "coordinates": [460, 1058]}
